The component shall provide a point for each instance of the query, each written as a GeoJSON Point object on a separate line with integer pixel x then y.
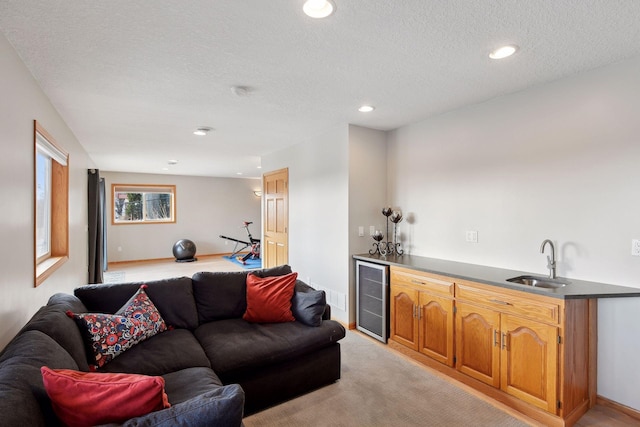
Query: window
{"type": "Point", "coordinates": [51, 206]}
{"type": "Point", "coordinates": [143, 204]}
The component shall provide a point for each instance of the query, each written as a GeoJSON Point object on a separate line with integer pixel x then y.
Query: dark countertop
{"type": "Point", "coordinates": [575, 289]}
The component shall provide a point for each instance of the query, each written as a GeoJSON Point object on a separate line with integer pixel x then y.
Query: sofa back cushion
{"type": "Point", "coordinates": [23, 399]}
{"type": "Point", "coordinates": [52, 320]}
{"type": "Point", "coordinates": [223, 295]}
{"type": "Point", "coordinates": [173, 298]}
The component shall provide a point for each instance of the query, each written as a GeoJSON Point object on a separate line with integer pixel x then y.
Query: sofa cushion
{"type": "Point", "coordinates": [269, 298]}
{"type": "Point", "coordinates": [23, 399]}
{"type": "Point", "coordinates": [109, 335]}
{"type": "Point", "coordinates": [234, 345]}
{"type": "Point", "coordinates": [53, 321]}
{"type": "Point", "coordinates": [35, 348]}
{"type": "Point", "coordinates": [308, 307]}
{"type": "Point", "coordinates": [188, 383]}
{"type": "Point", "coordinates": [222, 295]}
{"type": "Point", "coordinates": [89, 398]}
{"type": "Point", "coordinates": [166, 352]}
{"type": "Point", "coordinates": [223, 406]}
{"type": "Point", "coordinates": [173, 298]}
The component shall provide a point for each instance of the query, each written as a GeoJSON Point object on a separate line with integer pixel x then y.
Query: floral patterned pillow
{"type": "Point", "coordinates": [109, 335]}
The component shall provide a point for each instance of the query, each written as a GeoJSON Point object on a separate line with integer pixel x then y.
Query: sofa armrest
{"type": "Point", "coordinates": [222, 407]}
{"type": "Point", "coordinates": [327, 313]}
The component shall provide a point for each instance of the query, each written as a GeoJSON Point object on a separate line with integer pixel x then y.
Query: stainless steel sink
{"type": "Point", "coordinates": [538, 282]}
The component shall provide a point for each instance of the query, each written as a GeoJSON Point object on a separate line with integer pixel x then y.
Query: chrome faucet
{"type": "Point", "coordinates": [551, 260]}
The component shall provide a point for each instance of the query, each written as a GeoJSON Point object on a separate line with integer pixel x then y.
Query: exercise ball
{"type": "Point", "coordinates": [184, 250]}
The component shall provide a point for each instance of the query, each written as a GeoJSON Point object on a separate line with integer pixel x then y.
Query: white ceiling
{"type": "Point", "coordinates": [134, 79]}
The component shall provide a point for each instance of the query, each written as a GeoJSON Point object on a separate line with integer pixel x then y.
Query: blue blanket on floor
{"type": "Point", "coordinates": [249, 264]}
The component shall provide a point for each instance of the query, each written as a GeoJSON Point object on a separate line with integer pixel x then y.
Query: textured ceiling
{"type": "Point", "coordinates": [133, 79]}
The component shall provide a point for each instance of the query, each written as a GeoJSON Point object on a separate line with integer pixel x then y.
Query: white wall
{"type": "Point", "coordinates": [318, 206]}
{"type": "Point", "coordinates": [206, 208]}
{"type": "Point", "coordinates": [558, 161]}
{"type": "Point", "coordinates": [22, 102]}
{"type": "Point", "coordinates": [367, 194]}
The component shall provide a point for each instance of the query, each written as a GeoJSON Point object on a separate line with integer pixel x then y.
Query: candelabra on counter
{"type": "Point", "coordinates": [389, 247]}
{"type": "Point", "coordinates": [377, 236]}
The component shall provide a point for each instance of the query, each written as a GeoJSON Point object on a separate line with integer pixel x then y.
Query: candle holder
{"type": "Point", "coordinates": [377, 236]}
{"type": "Point", "coordinates": [396, 218]}
{"type": "Point", "coordinates": [389, 247]}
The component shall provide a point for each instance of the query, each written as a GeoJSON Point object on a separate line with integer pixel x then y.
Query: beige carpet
{"type": "Point", "coordinates": [381, 388]}
{"type": "Point", "coordinates": [156, 270]}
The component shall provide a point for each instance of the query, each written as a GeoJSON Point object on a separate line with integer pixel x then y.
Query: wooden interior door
{"type": "Point", "coordinates": [275, 241]}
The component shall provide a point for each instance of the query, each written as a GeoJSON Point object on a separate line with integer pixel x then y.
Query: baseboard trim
{"type": "Point", "coordinates": [633, 413]}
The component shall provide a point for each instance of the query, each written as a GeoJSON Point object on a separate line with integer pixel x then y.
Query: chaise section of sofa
{"type": "Point", "coordinates": [273, 362]}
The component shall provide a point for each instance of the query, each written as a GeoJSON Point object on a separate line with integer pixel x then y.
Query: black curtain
{"type": "Point", "coordinates": [96, 227]}
{"type": "Point", "coordinates": [103, 213]}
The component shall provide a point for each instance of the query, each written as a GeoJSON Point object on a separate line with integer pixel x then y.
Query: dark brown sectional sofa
{"type": "Point", "coordinates": [217, 367]}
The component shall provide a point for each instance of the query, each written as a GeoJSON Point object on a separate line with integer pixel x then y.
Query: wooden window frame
{"type": "Point", "coordinates": [143, 188]}
{"type": "Point", "coordinates": [59, 220]}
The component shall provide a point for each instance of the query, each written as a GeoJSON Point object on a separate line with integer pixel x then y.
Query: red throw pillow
{"type": "Point", "coordinates": [269, 298]}
{"type": "Point", "coordinates": [91, 398]}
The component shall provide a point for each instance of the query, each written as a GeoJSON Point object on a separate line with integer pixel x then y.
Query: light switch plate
{"type": "Point", "coordinates": [635, 247]}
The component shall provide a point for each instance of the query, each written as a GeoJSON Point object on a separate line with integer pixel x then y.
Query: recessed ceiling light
{"type": "Point", "coordinates": [238, 173]}
{"type": "Point", "coordinates": [366, 109]}
{"type": "Point", "coordinates": [240, 90]}
{"type": "Point", "coordinates": [503, 52]}
{"type": "Point", "coordinates": [165, 169]}
{"type": "Point", "coordinates": [319, 8]}
{"type": "Point", "coordinates": [259, 167]}
{"type": "Point", "coordinates": [172, 162]}
{"type": "Point", "coordinates": [202, 131]}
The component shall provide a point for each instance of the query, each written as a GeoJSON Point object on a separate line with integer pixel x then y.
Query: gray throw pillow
{"type": "Point", "coordinates": [308, 307]}
{"type": "Point", "coordinates": [222, 406]}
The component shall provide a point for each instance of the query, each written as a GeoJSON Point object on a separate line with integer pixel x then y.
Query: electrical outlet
{"type": "Point", "coordinates": [635, 247]}
{"type": "Point", "coordinates": [372, 230]}
{"type": "Point", "coordinates": [472, 236]}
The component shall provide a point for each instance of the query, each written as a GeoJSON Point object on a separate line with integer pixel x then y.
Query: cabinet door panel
{"type": "Point", "coordinates": [530, 359]}
{"type": "Point", "coordinates": [404, 323]}
{"type": "Point", "coordinates": [436, 327]}
{"type": "Point", "coordinates": [477, 346]}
